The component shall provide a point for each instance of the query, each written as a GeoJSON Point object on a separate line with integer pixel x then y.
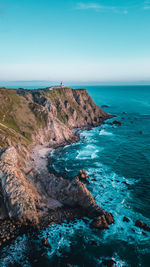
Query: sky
{"type": "Point", "coordinates": [75, 41]}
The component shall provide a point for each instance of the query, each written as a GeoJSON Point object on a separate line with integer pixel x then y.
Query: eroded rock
{"type": "Point", "coordinates": [82, 175]}
{"type": "Point", "coordinates": [20, 196]}
{"type": "Point", "coordinates": [103, 221]}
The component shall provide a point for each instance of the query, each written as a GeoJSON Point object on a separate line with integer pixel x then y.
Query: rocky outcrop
{"type": "Point", "coordinates": [82, 175]}
{"type": "Point", "coordinates": [38, 116]}
{"type": "Point", "coordinates": [29, 201]}
{"type": "Point", "coordinates": [70, 193]}
{"type": "Point", "coordinates": [103, 221]}
{"type": "Point", "coordinates": [20, 196]}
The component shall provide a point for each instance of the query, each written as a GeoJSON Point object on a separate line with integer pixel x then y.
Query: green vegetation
{"type": "Point", "coordinates": [23, 112]}
{"type": "Point", "coordinates": [14, 124]}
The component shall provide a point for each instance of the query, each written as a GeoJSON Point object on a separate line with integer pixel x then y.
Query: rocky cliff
{"type": "Point", "coordinates": [43, 117]}
{"type": "Point", "coordinates": [39, 116]}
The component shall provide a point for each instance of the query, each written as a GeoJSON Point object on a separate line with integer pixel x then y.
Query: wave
{"type": "Point", "coordinates": [103, 132]}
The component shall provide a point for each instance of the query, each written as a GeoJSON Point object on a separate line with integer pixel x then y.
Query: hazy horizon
{"type": "Point", "coordinates": [42, 84]}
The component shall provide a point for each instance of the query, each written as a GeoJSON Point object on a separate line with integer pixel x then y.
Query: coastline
{"type": "Point", "coordinates": [42, 198]}
{"type": "Point", "coordinates": [39, 160]}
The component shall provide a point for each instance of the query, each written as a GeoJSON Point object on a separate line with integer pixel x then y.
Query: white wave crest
{"type": "Point", "coordinates": [103, 132]}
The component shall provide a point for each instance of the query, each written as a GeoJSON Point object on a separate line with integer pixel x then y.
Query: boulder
{"type": "Point", "coordinates": [103, 221]}
{"type": "Point", "coordinates": [82, 175]}
{"type": "Point", "coordinates": [109, 217]}
{"type": "Point", "coordinates": [99, 223]}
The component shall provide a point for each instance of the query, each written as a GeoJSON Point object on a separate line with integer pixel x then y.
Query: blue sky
{"type": "Point", "coordinates": [85, 41]}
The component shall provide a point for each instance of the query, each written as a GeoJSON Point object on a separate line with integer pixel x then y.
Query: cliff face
{"type": "Point", "coordinates": [29, 202]}
{"type": "Point", "coordinates": [20, 196]}
{"type": "Point", "coordinates": [39, 116]}
{"type": "Point", "coordinates": [31, 117]}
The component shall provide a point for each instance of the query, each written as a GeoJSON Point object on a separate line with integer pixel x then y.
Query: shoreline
{"type": "Point", "coordinates": [39, 159]}
{"type": "Point", "coordinates": [40, 154]}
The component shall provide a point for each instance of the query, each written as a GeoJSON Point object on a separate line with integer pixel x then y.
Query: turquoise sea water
{"type": "Point", "coordinates": [119, 158]}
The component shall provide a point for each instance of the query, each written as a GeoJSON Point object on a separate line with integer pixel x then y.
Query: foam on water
{"type": "Point", "coordinates": [103, 132]}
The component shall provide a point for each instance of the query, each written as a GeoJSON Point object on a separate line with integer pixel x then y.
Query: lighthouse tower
{"type": "Point", "coordinates": [61, 85]}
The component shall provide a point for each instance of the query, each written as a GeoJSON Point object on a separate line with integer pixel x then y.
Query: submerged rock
{"type": "Point", "coordinates": [109, 263]}
{"type": "Point", "coordinates": [46, 243]}
{"type": "Point", "coordinates": [125, 219]}
{"type": "Point", "coordinates": [105, 106]}
{"type": "Point", "coordinates": [94, 179]}
{"type": "Point", "coordinates": [93, 242]}
{"type": "Point", "coordinates": [142, 225]}
{"type": "Point", "coordinates": [117, 122]}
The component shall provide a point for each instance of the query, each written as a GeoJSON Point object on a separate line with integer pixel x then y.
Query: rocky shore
{"type": "Point", "coordinates": [31, 197]}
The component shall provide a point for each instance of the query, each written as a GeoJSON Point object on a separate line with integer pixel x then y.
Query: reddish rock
{"type": "Point", "coordinates": [103, 221]}
{"type": "Point", "coordinates": [46, 243]}
{"type": "Point", "coordinates": [109, 217]}
{"type": "Point", "coordinates": [99, 223]}
{"type": "Point", "coordinates": [82, 175]}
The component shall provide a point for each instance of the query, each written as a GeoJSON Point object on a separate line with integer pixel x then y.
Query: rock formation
{"type": "Point", "coordinates": [44, 117]}
{"type": "Point", "coordinates": [20, 196]}
{"type": "Point", "coordinates": [82, 175]}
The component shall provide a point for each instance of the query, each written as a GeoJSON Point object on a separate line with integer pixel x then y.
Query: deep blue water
{"type": "Point", "coordinates": [113, 155]}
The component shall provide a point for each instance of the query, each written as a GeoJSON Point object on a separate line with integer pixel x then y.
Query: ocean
{"type": "Point", "coordinates": [118, 157]}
